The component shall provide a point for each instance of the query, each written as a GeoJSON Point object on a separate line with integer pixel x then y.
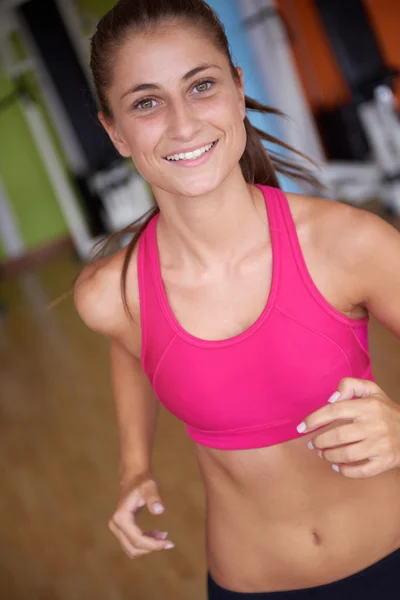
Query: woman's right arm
{"type": "Point", "coordinates": [97, 299]}
{"type": "Point", "coordinates": [136, 408]}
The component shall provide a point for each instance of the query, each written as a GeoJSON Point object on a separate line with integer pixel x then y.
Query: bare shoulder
{"type": "Point", "coordinates": [335, 229]}
{"type": "Point", "coordinates": [350, 252]}
{"type": "Point", "coordinates": [322, 212]}
{"type": "Point", "coordinates": [98, 297]}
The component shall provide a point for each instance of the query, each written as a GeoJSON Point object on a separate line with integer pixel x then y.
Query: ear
{"type": "Point", "coordinates": [240, 86]}
{"type": "Point", "coordinates": [115, 136]}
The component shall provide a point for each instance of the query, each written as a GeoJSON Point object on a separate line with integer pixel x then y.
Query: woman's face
{"type": "Point", "coordinates": [173, 95]}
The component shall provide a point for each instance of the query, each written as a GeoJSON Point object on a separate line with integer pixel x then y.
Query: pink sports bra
{"type": "Point", "coordinates": [251, 390]}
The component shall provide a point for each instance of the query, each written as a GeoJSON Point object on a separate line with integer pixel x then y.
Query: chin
{"type": "Point", "coordinates": [198, 188]}
{"type": "Point", "coordinates": [198, 184]}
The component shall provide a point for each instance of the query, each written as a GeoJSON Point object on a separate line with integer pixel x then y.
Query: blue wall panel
{"type": "Point", "coordinates": [243, 56]}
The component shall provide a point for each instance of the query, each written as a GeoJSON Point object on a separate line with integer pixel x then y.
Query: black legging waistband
{"type": "Point", "coordinates": [380, 581]}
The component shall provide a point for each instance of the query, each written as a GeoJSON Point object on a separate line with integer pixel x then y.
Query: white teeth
{"type": "Point", "coordinates": [190, 155]}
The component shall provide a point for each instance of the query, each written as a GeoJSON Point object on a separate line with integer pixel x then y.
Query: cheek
{"type": "Point", "coordinates": [226, 114]}
{"type": "Point", "coordinates": [142, 136]}
{"type": "Point", "coordinates": [232, 120]}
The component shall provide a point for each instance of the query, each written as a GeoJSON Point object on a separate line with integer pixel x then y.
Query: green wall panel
{"type": "Point", "coordinates": [26, 183]}
{"type": "Point", "coordinates": [2, 251]}
{"type": "Point", "coordinates": [96, 7]}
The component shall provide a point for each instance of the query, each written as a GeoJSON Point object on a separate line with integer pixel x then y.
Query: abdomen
{"type": "Point", "coordinates": [280, 518]}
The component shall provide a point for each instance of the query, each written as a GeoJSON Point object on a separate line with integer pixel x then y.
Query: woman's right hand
{"type": "Point", "coordinates": [134, 496]}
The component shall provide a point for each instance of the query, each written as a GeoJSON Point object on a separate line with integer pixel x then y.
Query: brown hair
{"type": "Point", "coordinates": [116, 27]}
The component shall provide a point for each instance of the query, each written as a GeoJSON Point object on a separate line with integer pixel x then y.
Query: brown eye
{"type": "Point", "coordinates": [146, 104]}
{"type": "Point", "coordinates": [203, 86]}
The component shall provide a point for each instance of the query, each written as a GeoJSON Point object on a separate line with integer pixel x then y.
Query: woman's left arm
{"type": "Point", "coordinates": [369, 442]}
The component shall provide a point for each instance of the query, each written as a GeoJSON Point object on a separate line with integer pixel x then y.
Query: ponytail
{"type": "Point", "coordinates": [259, 165]}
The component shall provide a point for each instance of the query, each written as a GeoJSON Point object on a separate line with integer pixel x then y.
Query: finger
{"type": "Point", "coordinates": [332, 412]}
{"type": "Point", "coordinates": [348, 454]}
{"type": "Point", "coordinates": [145, 542]}
{"type": "Point", "coordinates": [125, 523]}
{"type": "Point", "coordinates": [157, 534]}
{"type": "Point", "coordinates": [350, 387]}
{"type": "Point", "coordinates": [146, 494]}
{"type": "Point", "coordinates": [149, 495]}
{"type": "Point", "coordinates": [132, 503]}
{"type": "Point", "coordinates": [127, 546]}
{"type": "Point", "coordinates": [369, 468]}
{"type": "Point", "coordinates": [154, 502]}
{"type": "Point", "coordinates": [341, 435]}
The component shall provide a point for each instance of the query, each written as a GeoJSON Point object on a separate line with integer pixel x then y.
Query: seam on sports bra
{"type": "Point", "coordinates": [318, 333]}
{"type": "Point", "coordinates": [304, 273]}
{"type": "Point", "coordinates": [167, 347]}
{"type": "Point", "coordinates": [294, 418]}
{"type": "Point", "coordinates": [360, 344]}
{"type": "Point", "coordinates": [142, 298]}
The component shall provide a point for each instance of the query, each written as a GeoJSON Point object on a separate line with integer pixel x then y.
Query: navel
{"type": "Point", "coordinates": [316, 538]}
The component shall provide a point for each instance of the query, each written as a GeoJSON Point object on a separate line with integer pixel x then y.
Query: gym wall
{"type": "Point", "coordinates": [28, 189]}
{"type": "Point", "coordinates": [25, 180]}
{"type": "Point", "coordinates": [323, 82]}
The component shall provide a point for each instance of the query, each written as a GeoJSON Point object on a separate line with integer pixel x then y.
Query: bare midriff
{"type": "Point", "coordinates": [280, 518]}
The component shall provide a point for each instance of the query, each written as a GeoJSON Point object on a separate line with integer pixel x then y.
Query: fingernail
{"type": "Point", "coordinates": [310, 445]}
{"type": "Point", "coordinates": [157, 508]}
{"type": "Point", "coordinates": [334, 397]}
{"type": "Point", "coordinates": [302, 427]}
{"type": "Point", "coordinates": [169, 546]}
{"type": "Point", "coordinates": [320, 454]}
{"type": "Point", "coordinates": [335, 468]}
{"type": "Point", "coordinates": [163, 535]}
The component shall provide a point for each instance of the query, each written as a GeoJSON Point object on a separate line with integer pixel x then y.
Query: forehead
{"type": "Point", "coordinates": [164, 54]}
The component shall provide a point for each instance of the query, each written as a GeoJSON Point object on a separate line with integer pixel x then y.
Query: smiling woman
{"type": "Point", "coordinates": [140, 125]}
{"type": "Point", "coordinates": [244, 311]}
{"type": "Point", "coordinates": [203, 88]}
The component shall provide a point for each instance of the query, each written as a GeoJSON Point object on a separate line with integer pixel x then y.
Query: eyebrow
{"type": "Point", "coordinates": [153, 86]}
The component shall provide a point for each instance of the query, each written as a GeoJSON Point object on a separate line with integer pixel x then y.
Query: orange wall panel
{"type": "Point", "coordinates": [320, 74]}
{"type": "Point", "coordinates": [318, 69]}
{"type": "Point", "coordinates": [385, 20]}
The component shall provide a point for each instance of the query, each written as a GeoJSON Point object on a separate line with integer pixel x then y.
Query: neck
{"type": "Point", "coordinates": [221, 224]}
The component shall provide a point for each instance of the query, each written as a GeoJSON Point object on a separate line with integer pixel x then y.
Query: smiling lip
{"type": "Point", "coordinates": [193, 162]}
{"type": "Point", "coordinates": [186, 150]}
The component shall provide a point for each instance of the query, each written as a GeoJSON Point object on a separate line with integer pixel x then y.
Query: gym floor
{"type": "Point", "coordinates": [59, 459]}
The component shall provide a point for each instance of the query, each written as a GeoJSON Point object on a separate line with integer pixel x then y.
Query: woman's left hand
{"type": "Point", "coordinates": [369, 443]}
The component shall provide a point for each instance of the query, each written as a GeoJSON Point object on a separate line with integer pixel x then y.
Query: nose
{"type": "Point", "coordinates": [184, 123]}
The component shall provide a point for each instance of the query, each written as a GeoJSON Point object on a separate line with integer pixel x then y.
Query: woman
{"type": "Point", "coordinates": [244, 311]}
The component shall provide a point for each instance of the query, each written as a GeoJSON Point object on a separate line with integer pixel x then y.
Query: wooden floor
{"type": "Point", "coordinates": [59, 463]}
{"type": "Point", "coordinates": [59, 459]}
